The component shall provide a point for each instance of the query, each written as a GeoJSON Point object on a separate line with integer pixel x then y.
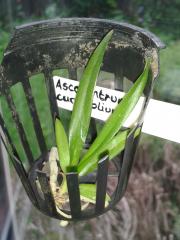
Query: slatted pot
{"type": "Point", "coordinates": [35, 53]}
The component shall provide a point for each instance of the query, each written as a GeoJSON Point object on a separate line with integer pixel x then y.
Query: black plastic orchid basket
{"type": "Point", "coordinates": [33, 54]}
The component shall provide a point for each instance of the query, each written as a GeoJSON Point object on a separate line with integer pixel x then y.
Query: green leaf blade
{"type": "Point", "coordinates": [62, 145]}
{"type": "Point", "coordinates": [113, 148]}
{"type": "Point", "coordinates": [121, 113]}
{"type": "Point", "coordinates": [88, 193]}
{"type": "Point", "coordinates": [81, 114]}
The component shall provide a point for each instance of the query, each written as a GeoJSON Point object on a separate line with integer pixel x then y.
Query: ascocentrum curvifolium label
{"type": "Point", "coordinates": [161, 118]}
{"type": "Point", "coordinates": [104, 101]}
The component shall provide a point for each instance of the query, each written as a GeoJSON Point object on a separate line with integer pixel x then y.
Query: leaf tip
{"type": "Point", "coordinates": [109, 34]}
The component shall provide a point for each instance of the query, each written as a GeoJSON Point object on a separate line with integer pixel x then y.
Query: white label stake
{"type": "Point", "coordinates": [161, 119]}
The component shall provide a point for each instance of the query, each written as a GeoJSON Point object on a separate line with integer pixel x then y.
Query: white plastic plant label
{"type": "Point", "coordinates": [161, 119]}
{"type": "Point", "coordinates": [104, 101]}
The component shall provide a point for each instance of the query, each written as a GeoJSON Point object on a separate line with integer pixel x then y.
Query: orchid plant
{"type": "Point", "coordinates": [111, 138]}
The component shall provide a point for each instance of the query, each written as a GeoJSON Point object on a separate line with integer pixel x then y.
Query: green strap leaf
{"type": "Point", "coordinates": [88, 193]}
{"type": "Point", "coordinates": [40, 95]}
{"type": "Point", "coordinates": [120, 114]}
{"type": "Point", "coordinates": [12, 129]}
{"type": "Point", "coordinates": [24, 114]}
{"type": "Point", "coordinates": [81, 113]}
{"type": "Point", "coordinates": [113, 147]}
{"type": "Point", "coordinates": [62, 145]}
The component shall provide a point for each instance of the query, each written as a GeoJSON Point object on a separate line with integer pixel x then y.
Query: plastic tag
{"type": "Point", "coordinates": [161, 118]}
{"type": "Point", "coordinates": [104, 102]}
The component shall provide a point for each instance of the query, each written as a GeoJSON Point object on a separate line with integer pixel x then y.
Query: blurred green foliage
{"type": "Point", "coordinates": [100, 8]}
{"type": "Point", "coordinates": [4, 38]}
{"type": "Point", "coordinates": [176, 228]}
{"type": "Point", "coordinates": [161, 16]}
{"type": "Point", "coordinates": [167, 87]}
